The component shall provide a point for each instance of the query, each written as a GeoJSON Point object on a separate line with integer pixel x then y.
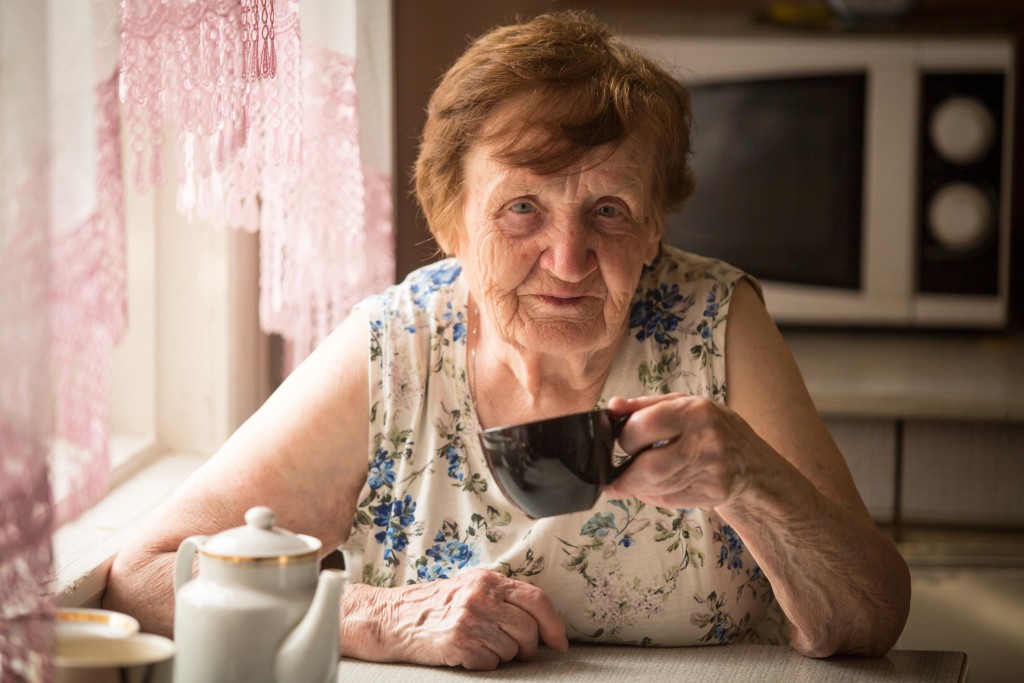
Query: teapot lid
{"type": "Point", "coordinates": [259, 538]}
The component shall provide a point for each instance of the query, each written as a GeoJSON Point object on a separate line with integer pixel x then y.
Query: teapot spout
{"type": "Point", "coordinates": [310, 652]}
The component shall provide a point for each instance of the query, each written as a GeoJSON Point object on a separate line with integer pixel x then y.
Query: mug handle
{"type": "Point", "coordinates": [183, 560]}
{"type": "Point", "coordinates": [618, 424]}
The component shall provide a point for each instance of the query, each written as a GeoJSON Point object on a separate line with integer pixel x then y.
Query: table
{"type": "Point", "coordinates": [730, 663]}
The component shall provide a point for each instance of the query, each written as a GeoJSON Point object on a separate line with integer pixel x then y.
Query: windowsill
{"type": "Point", "coordinates": [141, 478]}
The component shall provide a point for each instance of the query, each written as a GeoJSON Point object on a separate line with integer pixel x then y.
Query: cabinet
{"type": "Point", "coordinates": [932, 472]}
{"type": "Point", "coordinates": [932, 425]}
{"type": "Point", "coordinates": [963, 474]}
{"type": "Point", "coordinates": [870, 450]}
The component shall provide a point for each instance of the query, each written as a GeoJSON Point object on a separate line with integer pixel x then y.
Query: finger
{"type": "Point", "coordinates": [655, 471]}
{"type": "Point", "coordinates": [620, 405]}
{"type": "Point", "coordinates": [522, 628]}
{"type": "Point", "coordinates": [484, 641]}
{"type": "Point", "coordinates": [477, 659]}
{"type": "Point", "coordinates": [536, 603]}
{"type": "Point", "coordinates": [675, 477]}
{"type": "Point", "coordinates": [506, 636]}
{"type": "Point", "coordinates": [494, 618]}
{"type": "Point", "coordinates": [652, 426]}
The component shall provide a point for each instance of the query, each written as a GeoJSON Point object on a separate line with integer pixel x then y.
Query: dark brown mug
{"type": "Point", "coordinates": [555, 466]}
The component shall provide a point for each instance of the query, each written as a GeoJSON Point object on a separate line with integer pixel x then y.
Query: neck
{"type": "Point", "coordinates": [511, 384]}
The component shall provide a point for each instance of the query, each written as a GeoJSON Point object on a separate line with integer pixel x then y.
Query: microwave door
{"type": "Point", "coordinates": [780, 169]}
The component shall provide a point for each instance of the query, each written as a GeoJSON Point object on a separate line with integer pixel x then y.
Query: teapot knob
{"type": "Point", "coordinates": [260, 517]}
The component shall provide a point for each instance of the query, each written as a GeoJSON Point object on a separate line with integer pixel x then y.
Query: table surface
{"type": "Point", "coordinates": [588, 663]}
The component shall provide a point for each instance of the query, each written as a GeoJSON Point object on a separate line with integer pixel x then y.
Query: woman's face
{"type": "Point", "coordinates": [553, 261]}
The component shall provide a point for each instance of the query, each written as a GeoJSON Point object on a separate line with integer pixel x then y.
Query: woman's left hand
{"type": "Point", "coordinates": [840, 582]}
{"type": "Point", "coordinates": [709, 458]}
{"type": "Point", "coordinates": [767, 465]}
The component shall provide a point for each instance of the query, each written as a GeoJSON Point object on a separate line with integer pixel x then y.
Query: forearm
{"type": "Point", "coordinates": [363, 623]}
{"type": "Point", "coordinates": [392, 624]}
{"type": "Point", "coordinates": [841, 583]}
{"type": "Point", "coordinates": [143, 586]}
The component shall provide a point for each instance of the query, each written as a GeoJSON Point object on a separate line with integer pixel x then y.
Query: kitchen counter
{"type": "Point", "coordinates": [941, 376]}
{"type": "Point", "coordinates": [589, 663]}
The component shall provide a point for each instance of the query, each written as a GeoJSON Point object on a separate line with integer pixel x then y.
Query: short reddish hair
{"type": "Point", "coordinates": [579, 88]}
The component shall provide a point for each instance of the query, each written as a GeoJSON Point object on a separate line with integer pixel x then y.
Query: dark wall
{"type": "Point", "coordinates": [429, 36]}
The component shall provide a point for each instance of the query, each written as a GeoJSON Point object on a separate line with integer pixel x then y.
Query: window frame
{"type": "Point", "coordinates": [190, 368]}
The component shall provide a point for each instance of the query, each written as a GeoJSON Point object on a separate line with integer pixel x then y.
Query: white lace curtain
{"type": "Point", "coordinates": [253, 111]}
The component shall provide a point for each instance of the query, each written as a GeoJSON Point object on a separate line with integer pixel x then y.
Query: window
{"type": "Point", "coordinates": [193, 363]}
{"type": "Point", "coordinates": [191, 367]}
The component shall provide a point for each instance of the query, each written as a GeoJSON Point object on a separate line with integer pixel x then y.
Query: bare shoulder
{"type": "Point", "coordinates": [303, 453]}
{"type": "Point", "coordinates": [754, 347]}
{"type": "Point", "coordinates": [765, 387]}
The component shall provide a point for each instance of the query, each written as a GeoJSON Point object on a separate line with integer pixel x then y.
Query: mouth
{"type": "Point", "coordinates": [560, 300]}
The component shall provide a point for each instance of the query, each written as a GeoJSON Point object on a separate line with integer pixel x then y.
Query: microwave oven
{"type": "Point", "coordinates": [864, 179]}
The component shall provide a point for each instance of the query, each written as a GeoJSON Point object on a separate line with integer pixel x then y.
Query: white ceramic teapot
{"type": "Point", "coordinates": [259, 609]}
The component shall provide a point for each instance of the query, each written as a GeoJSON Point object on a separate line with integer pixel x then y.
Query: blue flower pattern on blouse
{"type": "Point", "coordinates": [382, 470]}
{"type": "Point", "coordinates": [426, 281]}
{"type": "Point", "coordinates": [429, 509]}
{"type": "Point", "coordinates": [657, 313]}
{"type": "Point", "coordinates": [730, 554]}
{"type": "Point", "coordinates": [394, 516]}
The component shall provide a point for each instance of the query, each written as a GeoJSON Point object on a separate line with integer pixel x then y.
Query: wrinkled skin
{"type": "Point", "coordinates": [476, 620]}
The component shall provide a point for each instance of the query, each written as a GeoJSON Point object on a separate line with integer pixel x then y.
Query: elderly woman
{"type": "Point", "coordinates": [551, 155]}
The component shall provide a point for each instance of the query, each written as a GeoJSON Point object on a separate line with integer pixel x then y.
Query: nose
{"type": "Point", "coordinates": [570, 256]}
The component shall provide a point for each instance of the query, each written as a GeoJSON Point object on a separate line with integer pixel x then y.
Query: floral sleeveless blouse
{"type": "Point", "coordinates": [623, 572]}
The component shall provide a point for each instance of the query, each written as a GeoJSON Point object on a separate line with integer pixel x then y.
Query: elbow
{"type": "Point", "coordinates": [870, 631]}
{"type": "Point", "coordinates": [114, 592]}
{"type": "Point", "coordinates": [817, 645]}
{"type": "Point", "coordinates": [142, 587]}
{"type": "Point", "coordinates": [882, 637]}
{"type": "Point", "coordinates": [888, 613]}
{"type": "Point", "coordinates": [121, 588]}
{"type": "Point", "coordinates": [891, 617]}
{"type": "Point", "coordinates": [869, 643]}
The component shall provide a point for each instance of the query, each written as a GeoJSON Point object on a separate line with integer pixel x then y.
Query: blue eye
{"type": "Point", "coordinates": [523, 207]}
{"type": "Point", "coordinates": [609, 211]}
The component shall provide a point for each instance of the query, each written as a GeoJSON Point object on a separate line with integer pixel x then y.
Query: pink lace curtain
{"type": "Point", "coordinates": [266, 138]}
{"type": "Point", "coordinates": [62, 298]}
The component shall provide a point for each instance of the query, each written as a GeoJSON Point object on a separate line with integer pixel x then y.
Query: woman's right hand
{"type": "Point", "coordinates": [476, 620]}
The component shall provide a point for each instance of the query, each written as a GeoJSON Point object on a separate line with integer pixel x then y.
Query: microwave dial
{"type": "Point", "coordinates": [962, 129]}
{"type": "Point", "coordinates": [959, 217]}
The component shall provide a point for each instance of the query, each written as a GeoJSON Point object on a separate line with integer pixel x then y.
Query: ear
{"type": "Point", "coordinates": [653, 246]}
{"type": "Point", "coordinates": [447, 238]}
{"type": "Point", "coordinates": [444, 244]}
{"type": "Point", "coordinates": [450, 242]}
